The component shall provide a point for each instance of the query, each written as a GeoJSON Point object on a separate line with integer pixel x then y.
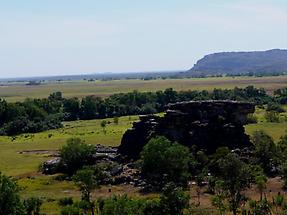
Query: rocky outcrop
{"type": "Point", "coordinates": [206, 125]}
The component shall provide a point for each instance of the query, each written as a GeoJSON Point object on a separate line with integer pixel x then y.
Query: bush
{"type": "Point", "coordinates": [70, 210]}
{"type": "Point", "coordinates": [164, 161]}
{"type": "Point", "coordinates": [251, 119]}
{"type": "Point", "coordinates": [75, 154]}
{"type": "Point", "coordinates": [275, 107]}
{"type": "Point", "coordinates": [120, 205]}
{"type": "Point", "coordinates": [173, 200]}
{"type": "Point", "coordinates": [32, 206]}
{"type": "Point", "coordinates": [66, 201]}
{"type": "Point", "coordinates": [272, 116]}
{"type": "Point", "coordinates": [10, 203]}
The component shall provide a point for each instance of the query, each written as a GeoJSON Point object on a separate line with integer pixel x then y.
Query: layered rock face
{"type": "Point", "coordinates": [205, 125]}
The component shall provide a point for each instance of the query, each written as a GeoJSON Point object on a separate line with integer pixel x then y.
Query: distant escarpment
{"type": "Point", "coordinates": [240, 63]}
{"type": "Point", "coordinates": [205, 125]}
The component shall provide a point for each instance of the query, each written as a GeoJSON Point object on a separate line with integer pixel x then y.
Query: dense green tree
{"type": "Point", "coordinates": [266, 152]}
{"type": "Point", "coordinates": [236, 177]}
{"type": "Point", "coordinates": [10, 203]}
{"type": "Point", "coordinates": [75, 154]}
{"type": "Point", "coordinates": [71, 108]}
{"type": "Point", "coordinates": [164, 161]}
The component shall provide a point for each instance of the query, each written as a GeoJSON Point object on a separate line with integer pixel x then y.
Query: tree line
{"type": "Point", "coordinates": [35, 115]}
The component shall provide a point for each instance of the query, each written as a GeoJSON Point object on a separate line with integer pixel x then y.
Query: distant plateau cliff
{"type": "Point", "coordinates": [232, 63]}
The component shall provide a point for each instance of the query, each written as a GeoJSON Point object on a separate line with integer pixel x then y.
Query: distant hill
{"type": "Point", "coordinates": [235, 63]}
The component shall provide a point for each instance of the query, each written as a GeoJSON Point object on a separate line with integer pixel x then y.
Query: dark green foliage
{"type": "Point", "coordinates": [272, 116]}
{"type": "Point", "coordinates": [261, 181]}
{"type": "Point", "coordinates": [30, 116]}
{"type": "Point", "coordinates": [121, 205]}
{"type": "Point", "coordinates": [275, 107]}
{"type": "Point", "coordinates": [164, 161]}
{"type": "Point", "coordinates": [87, 180]}
{"type": "Point", "coordinates": [70, 210]}
{"type": "Point", "coordinates": [66, 201]}
{"type": "Point", "coordinates": [282, 147]}
{"type": "Point", "coordinates": [266, 152]}
{"type": "Point", "coordinates": [103, 125]}
{"type": "Point", "coordinates": [32, 206]}
{"type": "Point", "coordinates": [71, 108]}
{"type": "Point", "coordinates": [10, 203]}
{"type": "Point", "coordinates": [251, 119]}
{"type": "Point", "coordinates": [281, 96]}
{"type": "Point", "coordinates": [284, 174]}
{"type": "Point", "coordinates": [236, 176]}
{"type": "Point", "coordinates": [75, 154]}
{"type": "Point", "coordinates": [260, 207]}
{"type": "Point", "coordinates": [173, 200]}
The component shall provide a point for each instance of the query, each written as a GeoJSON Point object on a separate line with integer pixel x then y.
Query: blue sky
{"type": "Point", "coordinates": [57, 37]}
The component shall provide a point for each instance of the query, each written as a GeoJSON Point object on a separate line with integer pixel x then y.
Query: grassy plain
{"type": "Point", "coordinates": [15, 163]}
{"type": "Point", "coordinates": [19, 91]}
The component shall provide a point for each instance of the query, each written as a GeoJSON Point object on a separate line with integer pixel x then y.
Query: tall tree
{"type": "Point", "coordinates": [236, 177]}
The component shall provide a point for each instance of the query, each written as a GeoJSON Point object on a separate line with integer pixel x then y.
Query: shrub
{"type": "Point", "coordinates": [272, 116]}
{"type": "Point", "coordinates": [275, 107]}
{"type": "Point", "coordinates": [173, 200]}
{"type": "Point", "coordinates": [32, 206]}
{"type": "Point", "coordinates": [66, 201]}
{"type": "Point", "coordinates": [70, 210]}
{"type": "Point", "coordinates": [120, 205]}
{"type": "Point", "coordinates": [251, 119]}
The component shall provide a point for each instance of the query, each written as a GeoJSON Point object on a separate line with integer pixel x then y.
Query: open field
{"type": "Point", "coordinates": [13, 163]}
{"type": "Point", "coordinates": [18, 92]}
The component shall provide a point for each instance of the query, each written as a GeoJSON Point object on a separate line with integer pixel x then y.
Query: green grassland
{"type": "Point", "coordinates": [14, 163]}
{"type": "Point", "coordinates": [19, 91]}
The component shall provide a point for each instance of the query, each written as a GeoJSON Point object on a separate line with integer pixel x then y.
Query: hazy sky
{"type": "Point", "coordinates": [55, 37]}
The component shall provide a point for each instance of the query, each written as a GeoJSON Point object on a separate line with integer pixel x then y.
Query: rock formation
{"type": "Point", "coordinates": [206, 125]}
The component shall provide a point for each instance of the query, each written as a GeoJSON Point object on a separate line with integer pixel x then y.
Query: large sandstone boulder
{"type": "Point", "coordinates": [206, 125]}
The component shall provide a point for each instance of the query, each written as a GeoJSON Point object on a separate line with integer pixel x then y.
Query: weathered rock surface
{"type": "Point", "coordinates": [204, 124]}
